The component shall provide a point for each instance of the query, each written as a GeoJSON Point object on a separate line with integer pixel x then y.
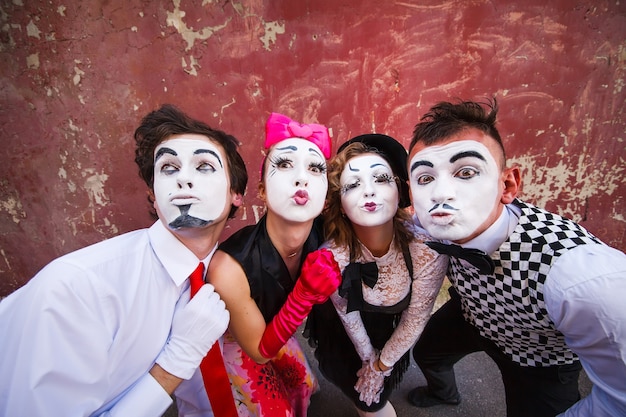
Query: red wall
{"type": "Point", "coordinates": [76, 77]}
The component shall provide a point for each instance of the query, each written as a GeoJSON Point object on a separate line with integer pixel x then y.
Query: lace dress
{"type": "Point", "coordinates": [388, 318]}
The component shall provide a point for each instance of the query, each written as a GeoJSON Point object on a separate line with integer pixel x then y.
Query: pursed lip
{"type": "Point", "coordinates": [370, 206]}
{"type": "Point", "coordinates": [442, 217]}
{"type": "Point", "coordinates": [301, 197]}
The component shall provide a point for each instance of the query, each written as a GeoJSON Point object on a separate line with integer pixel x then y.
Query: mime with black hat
{"type": "Point", "coordinates": [390, 278]}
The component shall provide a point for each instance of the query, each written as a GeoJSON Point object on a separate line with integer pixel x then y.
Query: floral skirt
{"type": "Point", "coordinates": [281, 387]}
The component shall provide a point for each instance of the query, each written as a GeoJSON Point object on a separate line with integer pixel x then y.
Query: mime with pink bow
{"type": "Point", "coordinates": [270, 275]}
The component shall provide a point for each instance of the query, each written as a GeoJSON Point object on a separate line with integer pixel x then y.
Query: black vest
{"type": "Point", "coordinates": [508, 307]}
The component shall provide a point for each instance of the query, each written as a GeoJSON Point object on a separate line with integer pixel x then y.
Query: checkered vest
{"type": "Point", "coordinates": [508, 307]}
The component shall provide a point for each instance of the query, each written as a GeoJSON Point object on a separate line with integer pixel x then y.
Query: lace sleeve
{"type": "Point", "coordinates": [354, 328]}
{"type": "Point", "coordinates": [352, 322]}
{"type": "Point", "coordinates": [429, 270]}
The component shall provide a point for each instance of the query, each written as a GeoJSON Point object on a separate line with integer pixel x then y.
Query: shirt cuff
{"type": "Point", "coordinates": [146, 398]}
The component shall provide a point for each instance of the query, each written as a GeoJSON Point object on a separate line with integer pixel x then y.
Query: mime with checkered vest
{"type": "Point", "coordinates": [535, 291]}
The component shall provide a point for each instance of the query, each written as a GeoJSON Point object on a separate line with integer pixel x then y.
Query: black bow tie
{"type": "Point", "coordinates": [475, 257]}
{"type": "Point", "coordinates": [353, 274]}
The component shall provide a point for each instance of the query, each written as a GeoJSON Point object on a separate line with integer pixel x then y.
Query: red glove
{"type": "Point", "coordinates": [319, 278]}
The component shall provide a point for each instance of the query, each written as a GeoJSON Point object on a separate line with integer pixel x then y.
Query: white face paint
{"type": "Point", "coordinates": [295, 180]}
{"type": "Point", "coordinates": [369, 194]}
{"type": "Point", "coordinates": [455, 189]}
{"type": "Point", "coordinates": [191, 185]}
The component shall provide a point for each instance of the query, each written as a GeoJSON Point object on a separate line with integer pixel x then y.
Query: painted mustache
{"type": "Point", "coordinates": [444, 206]}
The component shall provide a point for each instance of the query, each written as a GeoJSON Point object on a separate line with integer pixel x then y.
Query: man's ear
{"type": "Point", "coordinates": [261, 190]}
{"type": "Point", "coordinates": [152, 199]}
{"type": "Point", "coordinates": [512, 178]}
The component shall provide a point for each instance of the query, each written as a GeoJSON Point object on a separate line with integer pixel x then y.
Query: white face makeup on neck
{"type": "Point", "coordinates": [456, 186]}
{"type": "Point", "coordinates": [369, 194]}
{"type": "Point", "coordinates": [191, 185]}
{"type": "Point", "coordinates": [295, 180]}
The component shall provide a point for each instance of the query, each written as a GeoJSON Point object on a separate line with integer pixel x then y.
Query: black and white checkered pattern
{"type": "Point", "coordinates": [508, 307]}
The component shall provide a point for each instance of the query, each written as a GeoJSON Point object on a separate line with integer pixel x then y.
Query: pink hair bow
{"type": "Point", "coordinates": [280, 127]}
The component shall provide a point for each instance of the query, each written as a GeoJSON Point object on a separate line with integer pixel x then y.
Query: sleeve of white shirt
{"type": "Point", "coordinates": [56, 333]}
{"type": "Point", "coordinates": [145, 399]}
{"type": "Point", "coordinates": [585, 295]}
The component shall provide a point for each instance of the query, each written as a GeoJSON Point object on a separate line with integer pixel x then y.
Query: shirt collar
{"type": "Point", "coordinates": [176, 258]}
{"type": "Point", "coordinates": [492, 238]}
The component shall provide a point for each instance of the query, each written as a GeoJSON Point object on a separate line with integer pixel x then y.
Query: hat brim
{"type": "Point", "coordinates": [394, 153]}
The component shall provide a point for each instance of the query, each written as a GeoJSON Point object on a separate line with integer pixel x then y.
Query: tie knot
{"type": "Point", "coordinates": [196, 279]}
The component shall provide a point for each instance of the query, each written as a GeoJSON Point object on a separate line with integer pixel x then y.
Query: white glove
{"type": "Point", "coordinates": [370, 382]}
{"type": "Point", "coordinates": [196, 325]}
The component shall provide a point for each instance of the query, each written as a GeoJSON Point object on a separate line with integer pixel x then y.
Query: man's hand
{"type": "Point", "coordinates": [196, 325]}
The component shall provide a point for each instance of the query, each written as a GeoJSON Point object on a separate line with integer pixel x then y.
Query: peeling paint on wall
{"type": "Point", "coordinates": [32, 61]}
{"type": "Point", "coordinates": [553, 184]}
{"type": "Point", "coordinates": [191, 69]}
{"type": "Point", "coordinates": [32, 30]}
{"type": "Point", "coordinates": [77, 77]}
{"type": "Point", "coordinates": [94, 186]}
{"type": "Point", "coordinates": [175, 19]}
{"type": "Point", "coordinates": [258, 211]}
{"type": "Point", "coordinates": [272, 30]}
{"type": "Point", "coordinates": [13, 207]}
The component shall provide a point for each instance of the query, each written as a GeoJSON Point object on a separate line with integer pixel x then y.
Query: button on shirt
{"type": "Point", "coordinates": [80, 338]}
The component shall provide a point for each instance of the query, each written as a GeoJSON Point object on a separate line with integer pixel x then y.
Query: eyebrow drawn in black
{"type": "Point", "coordinates": [421, 163]}
{"type": "Point", "coordinates": [163, 151]}
{"type": "Point", "coordinates": [199, 151]}
{"type": "Point", "coordinates": [467, 154]}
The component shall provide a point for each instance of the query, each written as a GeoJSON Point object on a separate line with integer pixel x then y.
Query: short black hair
{"type": "Point", "coordinates": [446, 119]}
{"type": "Point", "coordinates": [159, 125]}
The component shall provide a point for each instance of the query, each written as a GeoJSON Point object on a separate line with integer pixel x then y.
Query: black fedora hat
{"type": "Point", "coordinates": [394, 153]}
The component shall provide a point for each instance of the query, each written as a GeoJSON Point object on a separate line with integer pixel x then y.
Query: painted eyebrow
{"type": "Point", "coordinates": [313, 150]}
{"type": "Point", "coordinates": [467, 154]}
{"type": "Point", "coordinates": [171, 151]}
{"type": "Point", "coordinates": [421, 163]}
{"type": "Point", "coordinates": [163, 151]}
{"type": "Point", "coordinates": [377, 164]}
{"type": "Point", "coordinates": [295, 148]}
{"type": "Point", "coordinates": [288, 148]}
{"type": "Point", "coordinates": [200, 151]}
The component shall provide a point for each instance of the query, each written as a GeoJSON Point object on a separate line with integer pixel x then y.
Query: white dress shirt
{"type": "Point", "coordinates": [81, 336]}
{"type": "Point", "coordinates": [585, 296]}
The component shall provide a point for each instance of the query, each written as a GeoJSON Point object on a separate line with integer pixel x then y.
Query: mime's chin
{"type": "Point", "coordinates": [187, 221]}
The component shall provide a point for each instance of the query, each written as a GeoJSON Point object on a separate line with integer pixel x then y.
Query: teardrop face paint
{"type": "Point", "coordinates": [455, 186]}
{"type": "Point", "coordinates": [295, 180]}
{"type": "Point", "coordinates": [191, 185]}
{"type": "Point", "coordinates": [369, 194]}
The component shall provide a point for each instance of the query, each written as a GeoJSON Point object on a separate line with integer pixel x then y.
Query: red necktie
{"type": "Point", "coordinates": [216, 382]}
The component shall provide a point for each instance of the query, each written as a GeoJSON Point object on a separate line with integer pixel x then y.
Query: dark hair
{"type": "Point", "coordinates": [159, 125]}
{"type": "Point", "coordinates": [446, 119]}
{"type": "Point", "coordinates": [337, 226]}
